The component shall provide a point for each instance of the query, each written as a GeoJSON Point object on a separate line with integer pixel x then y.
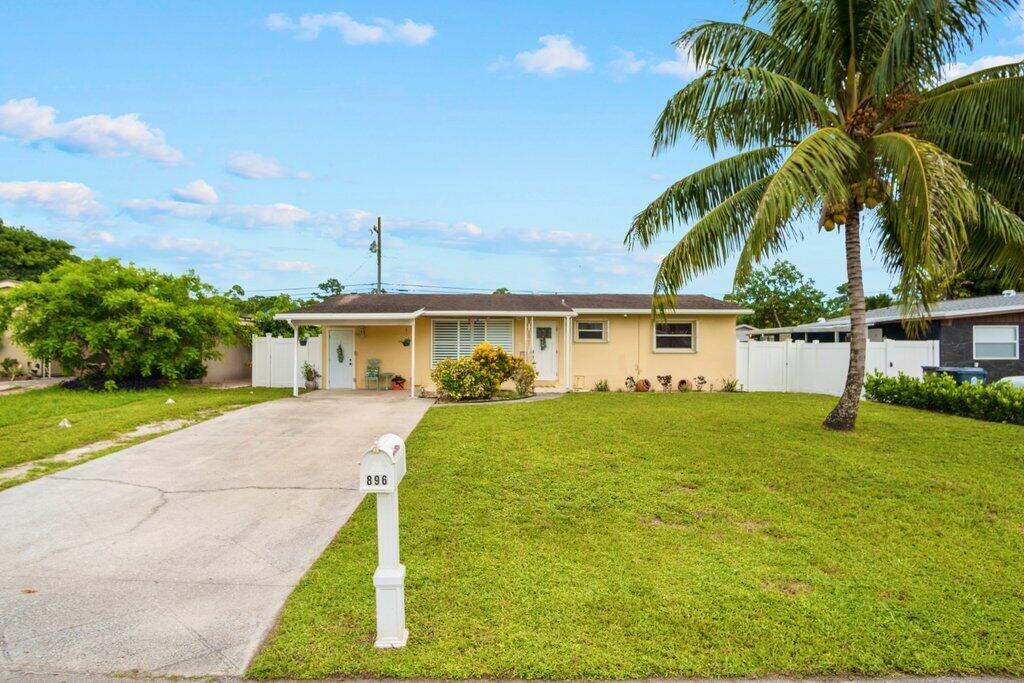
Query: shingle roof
{"type": "Point", "coordinates": [547, 303]}
{"type": "Point", "coordinates": [953, 308]}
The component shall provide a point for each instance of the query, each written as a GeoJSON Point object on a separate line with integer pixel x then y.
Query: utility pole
{"type": "Point", "coordinates": [375, 247]}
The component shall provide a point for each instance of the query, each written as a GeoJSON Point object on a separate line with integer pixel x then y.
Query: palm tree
{"type": "Point", "coordinates": [839, 111]}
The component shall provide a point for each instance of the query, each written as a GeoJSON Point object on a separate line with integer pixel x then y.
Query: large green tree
{"type": "Point", "coordinates": [838, 109]}
{"type": "Point", "coordinates": [102, 317]}
{"type": "Point", "coordinates": [25, 255]}
{"type": "Point", "coordinates": [779, 296]}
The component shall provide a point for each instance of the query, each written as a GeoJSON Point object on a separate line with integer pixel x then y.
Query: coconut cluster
{"type": "Point", "coordinates": [868, 194]}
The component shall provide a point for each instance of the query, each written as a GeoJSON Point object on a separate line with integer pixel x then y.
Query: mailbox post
{"type": "Point", "coordinates": [380, 471]}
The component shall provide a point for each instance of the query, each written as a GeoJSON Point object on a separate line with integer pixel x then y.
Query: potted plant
{"type": "Point", "coordinates": [397, 383]}
{"type": "Point", "coordinates": [405, 341]}
{"type": "Point", "coordinates": [311, 375]}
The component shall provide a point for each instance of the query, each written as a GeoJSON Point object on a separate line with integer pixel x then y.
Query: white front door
{"type": "Point", "coordinates": [545, 350]}
{"type": "Point", "coordinates": [341, 364]}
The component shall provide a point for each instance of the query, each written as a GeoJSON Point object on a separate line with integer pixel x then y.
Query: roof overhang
{"type": "Point", "coordinates": [675, 311]}
{"type": "Point", "coordinates": [844, 324]}
{"type": "Point", "coordinates": [404, 318]}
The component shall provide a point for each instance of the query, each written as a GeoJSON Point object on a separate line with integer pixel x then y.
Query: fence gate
{"type": "Point", "coordinates": [820, 367]}
{"type": "Point", "coordinates": [273, 362]}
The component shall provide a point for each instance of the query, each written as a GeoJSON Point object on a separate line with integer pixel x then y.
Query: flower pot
{"type": "Point", "coordinates": [311, 384]}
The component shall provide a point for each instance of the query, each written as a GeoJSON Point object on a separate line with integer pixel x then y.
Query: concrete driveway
{"type": "Point", "coordinates": [173, 557]}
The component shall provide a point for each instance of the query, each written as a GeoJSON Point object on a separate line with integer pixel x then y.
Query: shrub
{"type": "Point", "coordinates": [730, 384]}
{"type": "Point", "coordinates": [601, 385]}
{"type": "Point", "coordinates": [699, 382]}
{"type": "Point", "coordinates": [998, 402]}
{"type": "Point", "coordinates": [118, 321]}
{"type": "Point", "coordinates": [10, 368]}
{"type": "Point", "coordinates": [666, 382]}
{"type": "Point", "coordinates": [480, 375]}
{"type": "Point", "coordinates": [524, 376]}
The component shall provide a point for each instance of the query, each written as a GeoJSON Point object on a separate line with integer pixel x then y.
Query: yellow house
{"type": "Point", "coordinates": [573, 340]}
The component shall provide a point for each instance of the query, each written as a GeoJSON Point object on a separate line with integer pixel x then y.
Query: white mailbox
{"type": "Point", "coordinates": [383, 465]}
{"type": "Point", "coordinates": [380, 472]}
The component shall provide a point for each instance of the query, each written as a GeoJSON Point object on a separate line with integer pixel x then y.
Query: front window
{"type": "Point", "coordinates": [458, 338]}
{"type": "Point", "coordinates": [995, 342]}
{"type": "Point", "coordinates": [673, 336]}
{"type": "Point", "coordinates": [591, 330]}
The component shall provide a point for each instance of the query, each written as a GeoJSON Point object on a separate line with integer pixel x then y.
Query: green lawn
{"type": "Point", "coordinates": [627, 536]}
{"type": "Point", "coordinates": [28, 421]}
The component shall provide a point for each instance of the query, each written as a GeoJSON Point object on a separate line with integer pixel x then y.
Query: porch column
{"type": "Point", "coordinates": [568, 353]}
{"type": "Point", "coordinates": [295, 359]}
{"type": "Point", "coordinates": [412, 359]}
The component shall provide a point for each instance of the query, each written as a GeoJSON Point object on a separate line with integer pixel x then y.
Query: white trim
{"type": "Point", "coordinates": [412, 360]}
{"type": "Point", "coordinates": [675, 311]}
{"type": "Point", "coordinates": [295, 360]}
{"type": "Point", "coordinates": [693, 336]}
{"type": "Point", "coordinates": [1016, 342]}
{"type": "Point", "coordinates": [494, 314]}
{"type": "Point", "coordinates": [605, 334]}
{"type": "Point", "coordinates": [400, 318]}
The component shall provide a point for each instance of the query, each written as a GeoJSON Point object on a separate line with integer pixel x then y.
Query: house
{"type": "Point", "coordinates": [573, 340]}
{"type": "Point", "coordinates": [743, 331]}
{"type": "Point", "coordinates": [980, 331]}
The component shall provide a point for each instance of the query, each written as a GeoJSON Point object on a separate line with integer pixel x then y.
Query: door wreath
{"type": "Point", "coordinates": [341, 353]}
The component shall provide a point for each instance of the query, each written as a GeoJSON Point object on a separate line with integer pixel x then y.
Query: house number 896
{"type": "Point", "coordinates": [376, 480]}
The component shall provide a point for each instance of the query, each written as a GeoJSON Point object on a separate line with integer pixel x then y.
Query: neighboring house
{"type": "Point", "coordinates": [573, 340]}
{"type": "Point", "coordinates": [981, 331]}
{"type": "Point", "coordinates": [743, 331]}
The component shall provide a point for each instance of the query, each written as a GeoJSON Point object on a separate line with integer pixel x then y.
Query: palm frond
{"type": "Point", "coordinates": [997, 239]}
{"type": "Point", "coordinates": [740, 106]}
{"type": "Point", "coordinates": [980, 76]}
{"type": "Point", "coordinates": [909, 41]}
{"type": "Point", "coordinates": [723, 43]}
{"type": "Point", "coordinates": [700, 192]}
{"type": "Point", "coordinates": [932, 203]}
{"type": "Point", "coordinates": [819, 167]}
{"type": "Point", "coordinates": [719, 234]}
{"type": "Point", "coordinates": [990, 106]}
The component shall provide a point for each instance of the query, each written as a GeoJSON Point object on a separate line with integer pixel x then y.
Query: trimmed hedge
{"type": "Point", "coordinates": [997, 402]}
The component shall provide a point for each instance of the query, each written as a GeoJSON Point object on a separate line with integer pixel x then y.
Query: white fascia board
{"type": "Point", "coordinates": [341, 317]}
{"type": "Point", "coordinates": [677, 311]}
{"type": "Point", "coordinates": [497, 314]}
{"type": "Point", "coordinates": [964, 313]}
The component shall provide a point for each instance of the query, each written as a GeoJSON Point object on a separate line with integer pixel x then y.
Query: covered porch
{"type": "Point", "coordinates": [365, 351]}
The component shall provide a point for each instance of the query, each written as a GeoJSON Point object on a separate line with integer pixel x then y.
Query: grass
{"type": "Point", "coordinates": [631, 536]}
{"type": "Point", "coordinates": [28, 420]}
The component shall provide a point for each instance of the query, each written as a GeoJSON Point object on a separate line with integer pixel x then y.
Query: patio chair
{"type": "Point", "coordinates": [372, 373]}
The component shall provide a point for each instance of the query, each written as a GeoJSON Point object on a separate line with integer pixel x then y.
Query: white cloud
{"type": "Point", "coordinates": [958, 69]}
{"type": "Point", "coordinates": [558, 53]}
{"type": "Point", "coordinates": [626, 63]}
{"type": "Point", "coordinates": [288, 266]}
{"type": "Point", "coordinates": [73, 200]}
{"type": "Point", "coordinates": [683, 66]}
{"type": "Point", "coordinates": [196, 192]}
{"type": "Point", "coordinates": [309, 27]}
{"type": "Point", "coordinates": [258, 167]}
{"type": "Point", "coordinates": [280, 215]}
{"type": "Point", "coordinates": [98, 134]}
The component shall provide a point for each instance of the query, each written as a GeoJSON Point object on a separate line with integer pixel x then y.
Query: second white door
{"type": "Point", "coordinates": [341, 359]}
{"type": "Point", "coordinates": [545, 350]}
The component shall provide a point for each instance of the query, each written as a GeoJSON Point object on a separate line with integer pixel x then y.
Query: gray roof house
{"type": "Point", "coordinates": [981, 331]}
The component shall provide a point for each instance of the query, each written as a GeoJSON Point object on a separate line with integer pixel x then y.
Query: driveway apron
{"type": "Point", "coordinates": [174, 556]}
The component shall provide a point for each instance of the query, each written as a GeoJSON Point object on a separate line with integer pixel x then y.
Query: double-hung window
{"type": "Point", "coordinates": [674, 336]}
{"type": "Point", "coordinates": [591, 330]}
{"type": "Point", "coordinates": [996, 342]}
{"type": "Point", "coordinates": [458, 338]}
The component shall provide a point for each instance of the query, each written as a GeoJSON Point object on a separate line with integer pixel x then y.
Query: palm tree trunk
{"type": "Point", "coordinates": [844, 416]}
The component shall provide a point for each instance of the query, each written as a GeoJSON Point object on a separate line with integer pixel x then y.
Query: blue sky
{"type": "Point", "coordinates": [505, 144]}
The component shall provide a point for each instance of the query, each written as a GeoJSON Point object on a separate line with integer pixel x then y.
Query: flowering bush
{"type": "Point", "coordinates": [998, 402]}
{"type": "Point", "coordinates": [480, 375]}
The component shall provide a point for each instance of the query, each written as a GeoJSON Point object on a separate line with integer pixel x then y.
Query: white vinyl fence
{"type": "Point", "coordinates": [272, 360]}
{"type": "Point", "coordinates": [820, 368]}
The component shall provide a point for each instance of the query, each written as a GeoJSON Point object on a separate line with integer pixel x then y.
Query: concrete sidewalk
{"type": "Point", "coordinates": [174, 556]}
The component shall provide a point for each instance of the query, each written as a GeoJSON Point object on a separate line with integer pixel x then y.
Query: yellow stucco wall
{"type": "Point", "coordinates": [628, 351]}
